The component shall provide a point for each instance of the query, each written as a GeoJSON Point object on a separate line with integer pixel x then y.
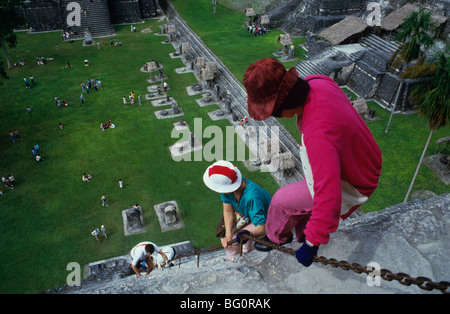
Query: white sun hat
{"type": "Point", "coordinates": [222, 177]}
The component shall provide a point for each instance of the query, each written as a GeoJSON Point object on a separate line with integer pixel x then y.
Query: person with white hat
{"type": "Point", "coordinates": [239, 196]}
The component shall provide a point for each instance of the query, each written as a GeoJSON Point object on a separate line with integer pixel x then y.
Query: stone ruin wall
{"type": "Point", "coordinates": [302, 17]}
{"type": "Point", "coordinates": [50, 15]}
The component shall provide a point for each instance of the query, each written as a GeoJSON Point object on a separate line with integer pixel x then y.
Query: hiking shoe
{"type": "Point", "coordinates": [266, 248]}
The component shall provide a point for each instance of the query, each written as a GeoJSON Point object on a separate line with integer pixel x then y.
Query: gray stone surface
{"type": "Point", "coordinates": [412, 238]}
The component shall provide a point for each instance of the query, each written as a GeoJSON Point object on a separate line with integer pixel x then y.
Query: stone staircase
{"type": "Point", "coordinates": [326, 62]}
{"type": "Point", "coordinates": [97, 18]}
{"type": "Point", "coordinates": [377, 43]}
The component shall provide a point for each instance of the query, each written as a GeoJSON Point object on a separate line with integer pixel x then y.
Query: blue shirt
{"type": "Point", "coordinates": [253, 205]}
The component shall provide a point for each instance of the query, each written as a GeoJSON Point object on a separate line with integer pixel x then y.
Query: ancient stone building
{"type": "Point", "coordinates": [95, 15]}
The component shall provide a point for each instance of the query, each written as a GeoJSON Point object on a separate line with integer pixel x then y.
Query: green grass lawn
{"type": "Point", "coordinates": [46, 221]}
{"type": "Point", "coordinates": [51, 212]}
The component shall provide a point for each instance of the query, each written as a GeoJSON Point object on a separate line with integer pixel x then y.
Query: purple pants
{"type": "Point", "coordinates": [289, 209]}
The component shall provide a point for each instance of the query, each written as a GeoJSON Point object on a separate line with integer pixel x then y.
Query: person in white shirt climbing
{"type": "Point", "coordinates": [142, 252]}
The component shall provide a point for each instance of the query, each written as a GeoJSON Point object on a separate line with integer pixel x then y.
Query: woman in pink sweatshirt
{"type": "Point", "coordinates": [341, 160]}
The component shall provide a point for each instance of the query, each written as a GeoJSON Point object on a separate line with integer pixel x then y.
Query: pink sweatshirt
{"type": "Point", "coordinates": [341, 160]}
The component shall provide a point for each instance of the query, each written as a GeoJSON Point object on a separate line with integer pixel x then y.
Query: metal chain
{"type": "Point", "coordinates": [422, 282]}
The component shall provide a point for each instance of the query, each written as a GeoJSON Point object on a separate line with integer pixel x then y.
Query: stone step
{"type": "Point", "coordinates": [97, 18]}
{"type": "Point", "coordinates": [379, 44]}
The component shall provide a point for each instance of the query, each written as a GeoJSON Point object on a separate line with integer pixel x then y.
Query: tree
{"type": "Point", "coordinates": [416, 35]}
{"type": "Point", "coordinates": [9, 20]}
{"type": "Point", "coordinates": [432, 97]}
{"type": "Point", "coordinates": [2, 72]}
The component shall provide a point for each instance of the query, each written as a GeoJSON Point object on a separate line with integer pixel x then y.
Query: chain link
{"type": "Point", "coordinates": [404, 279]}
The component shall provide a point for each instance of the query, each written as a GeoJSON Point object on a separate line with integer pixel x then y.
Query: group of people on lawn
{"type": "Point", "coordinates": [8, 182]}
{"type": "Point", "coordinates": [131, 99]}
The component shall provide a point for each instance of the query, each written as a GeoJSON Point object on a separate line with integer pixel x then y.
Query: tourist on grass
{"type": "Point", "coordinates": [104, 203]}
{"type": "Point", "coordinates": [95, 234]}
{"type": "Point", "coordinates": [12, 181]}
{"type": "Point", "coordinates": [27, 84]}
{"type": "Point", "coordinates": [11, 136]}
{"type": "Point", "coordinates": [142, 252]}
{"type": "Point", "coordinates": [239, 196]}
{"type": "Point", "coordinates": [6, 182]}
{"type": "Point", "coordinates": [17, 135]}
{"type": "Point", "coordinates": [340, 158]}
{"type": "Point", "coordinates": [103, 228]}
{"type": "Point", "coordinates": [85, 178]}
{"type": "Point", "coordinates": [138, 208]}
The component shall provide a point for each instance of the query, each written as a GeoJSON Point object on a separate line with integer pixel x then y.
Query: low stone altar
{"type": "Point", "coordinates": [169, 216]}
{"type": "Point", "coordinates": [133, 221]}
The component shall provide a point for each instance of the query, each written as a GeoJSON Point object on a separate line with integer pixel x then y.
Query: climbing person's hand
{"type": "Point", "coordinates": [306, 253]}
{"type": "Point", "coordinates": [225, 241]}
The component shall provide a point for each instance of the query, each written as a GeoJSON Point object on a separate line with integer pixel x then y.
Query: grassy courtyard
{"type": "Point", "coordinates": [51, 211]}
{"type": "Point", "coordinates": [46, 221]}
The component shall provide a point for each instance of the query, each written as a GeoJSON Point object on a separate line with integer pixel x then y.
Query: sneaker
{"type": "Point", "coordinates": [266, 248]}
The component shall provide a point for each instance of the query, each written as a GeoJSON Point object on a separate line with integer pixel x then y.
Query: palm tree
{"type": "Point", "coordinates": [432, 97]}
{"type": "Point", "coordinates": [417, 31]}
{"type": "Point", "coordinates": [416, 34]}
